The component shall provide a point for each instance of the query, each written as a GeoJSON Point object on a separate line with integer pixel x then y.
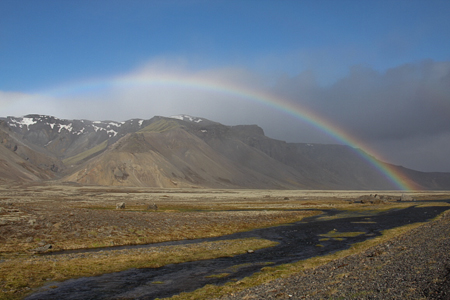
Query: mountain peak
{"type": "Point", "coordinates": [187, 118]}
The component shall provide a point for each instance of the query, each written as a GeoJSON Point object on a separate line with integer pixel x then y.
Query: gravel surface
{"type": "Point", "coordinates": [415, 265]}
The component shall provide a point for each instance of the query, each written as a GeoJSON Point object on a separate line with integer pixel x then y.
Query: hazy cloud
{"type": "Point", "coordinates": [406, 109]}
{"type": "Point", "coordinates": [402, 114]}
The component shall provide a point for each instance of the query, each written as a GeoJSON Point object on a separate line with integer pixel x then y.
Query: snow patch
{"type": "Point", "coordinates": [179, 117]}
{"type": "Point", "coordinates": [96, 128]}
{"type": "Point", "coordinates": [28, 121]}
{"type": "Point", "coordinates": [66, 127]}
{"type": "Point", "coordinates": [187, 118]}
{"type": "Point", "coordinates": [111, 132]}
{"type": "Point", "coordinates": [113, 124]}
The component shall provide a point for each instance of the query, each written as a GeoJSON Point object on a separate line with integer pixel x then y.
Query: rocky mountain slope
{"type": "Point", "coordinates": [182, 151]}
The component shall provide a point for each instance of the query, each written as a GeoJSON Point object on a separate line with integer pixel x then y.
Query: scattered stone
{"type": "Point", "coordinates": [152, 207]}
{"type": "Point", "coordinates": [405, 197]}
{"type": "Point", "coordinates": [43, 248]}
{"type": "Point", "coordinates": [372, 199]}
{"type": "Point", "coordinates": [120, 205]}
{"type": "Point", "coordinates": [120, 173]}
{"type": "Point", "coordinates": [385, 271]}
{"type": "Point", "coordinates": [250, 251]}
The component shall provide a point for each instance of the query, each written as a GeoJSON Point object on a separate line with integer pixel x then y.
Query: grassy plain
{"type": "Point", "coordinates": [81, 217]}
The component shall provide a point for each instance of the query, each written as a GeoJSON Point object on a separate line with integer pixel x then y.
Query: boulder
{"type": "Point", "coordinates": [120, 205]}
{"type": "Point", "coordinates": [405, 197]}
{"type": "Point", "coordinates": [43, 248]}
{"type": "Point", "coordinates": [152, 207]}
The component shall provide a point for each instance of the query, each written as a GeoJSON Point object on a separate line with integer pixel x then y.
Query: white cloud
{"type": "Point", "coordinates": [401, 113]}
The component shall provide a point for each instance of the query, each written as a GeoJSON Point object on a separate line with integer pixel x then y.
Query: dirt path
{"type": "Point", "coordinates": [413, 266]}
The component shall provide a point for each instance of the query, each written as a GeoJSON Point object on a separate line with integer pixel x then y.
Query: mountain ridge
{"type": "Point", "coordinates": [184, 151]}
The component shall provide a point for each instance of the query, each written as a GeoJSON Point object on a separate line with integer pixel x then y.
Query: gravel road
{"type": "Point", "coordinates": [415, 265]}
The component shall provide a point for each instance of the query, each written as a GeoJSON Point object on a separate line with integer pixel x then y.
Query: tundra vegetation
{"type": "Point", "coordinates": [36, 220]}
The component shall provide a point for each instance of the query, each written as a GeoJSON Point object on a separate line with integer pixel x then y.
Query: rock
{"type": "Point", "coordinates": [405, 197]}
{"type": "Point", "coordinates": [32, 222]}
{"type": "Point", "coordinates": [120, 173]}
{"type": "Point", "coordinates": [250, 251]}
{"type": "Point", "coordinates": [43, 248]}
{"type": "Point", "coordinates": [286, 198]}
{"type": "Point", "coordinates": [120, 205]}
{"type": "Point", "coordinates": [379, 201]}
{"type": "Point", "coordinates": [371, 199]}
{"type": "Point", "coordinates": [152, 206]}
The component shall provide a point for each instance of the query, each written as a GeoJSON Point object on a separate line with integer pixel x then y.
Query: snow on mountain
{"type": "Point", "coordinates": [75, 127]}
{"type": "Point", "coordinates": [187, 118]}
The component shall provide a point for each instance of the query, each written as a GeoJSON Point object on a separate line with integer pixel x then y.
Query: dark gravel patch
{"type": "Point", "coordinates": [415, 265]}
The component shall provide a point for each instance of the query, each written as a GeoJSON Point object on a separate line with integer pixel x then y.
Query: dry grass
{"type": "Point", "coordinates": [18, 276]}
{"type": "Point", "coordinates": [336, 235]}
{"type": "Point", "coordinates": [73, 217]}
{"type": "Point", "coordinates": [93, 228]}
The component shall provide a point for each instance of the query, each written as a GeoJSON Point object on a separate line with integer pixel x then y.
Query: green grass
{"type": "Point", "coordinates": [335, 234]}
{"type": "Point", "coordinates": [221, 275]}
{"type": "Point", "coordinates": [18, 276]}
{"type": "Point", "coordinates": [160, 126]}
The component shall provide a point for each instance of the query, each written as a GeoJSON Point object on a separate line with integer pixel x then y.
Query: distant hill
{"type": "Point", "coordinates": [181, 151]}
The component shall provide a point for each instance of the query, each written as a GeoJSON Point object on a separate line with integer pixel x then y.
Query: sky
{"type": "Point", "coordinates": [377, 70]}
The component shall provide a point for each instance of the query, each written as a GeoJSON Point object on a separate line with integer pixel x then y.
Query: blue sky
{"type": "Point", "coordinates": [323, 54]}
{"type": "Point", "coordinates": [45, 43]}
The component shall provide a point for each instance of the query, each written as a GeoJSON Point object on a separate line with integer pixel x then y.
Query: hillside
{"type": "Point", "coordinates": [184, 151]}
{"type": "Point", "coordinates": [19, 162]}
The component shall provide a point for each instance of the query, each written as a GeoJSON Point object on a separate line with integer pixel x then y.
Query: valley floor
{"type": "Point", "coordinates": [33, 217]}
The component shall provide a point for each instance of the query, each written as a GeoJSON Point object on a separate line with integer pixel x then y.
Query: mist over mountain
{"type": "Point", "coordinates": [182, 151]}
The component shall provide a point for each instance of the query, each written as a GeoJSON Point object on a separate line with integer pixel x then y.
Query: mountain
{"type": "Point", "coordinates": [184, 151]}
{"type": "Point", "coordinates": [20, 162]}
{"type": "Point", "coordinates": [67, 138]}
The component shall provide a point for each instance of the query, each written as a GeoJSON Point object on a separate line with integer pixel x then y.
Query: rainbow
{"type": "Point", "coordinates": [398, 179]}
